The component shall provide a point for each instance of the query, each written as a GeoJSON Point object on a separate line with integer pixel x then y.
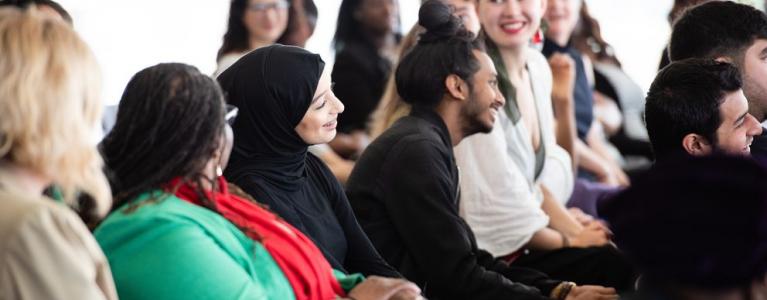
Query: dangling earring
{"type": "Point", "coordinates": [537, 40]}
{"type": "Point", "coordinates": [219, 171]}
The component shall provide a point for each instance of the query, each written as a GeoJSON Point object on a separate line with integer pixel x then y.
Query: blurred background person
{"type": "Point", "coordinates": [302, 20]}
{"type": "Point", "coordinates": [366, 39]}
{"type": "Point", "coordinates": [618, 99]}
{"type": "Point", "coordinates": [596, 161]}
{"type": "Point", "coordinates": [252, 24]}
{"type": "Point", "coordinates": [677, 9]}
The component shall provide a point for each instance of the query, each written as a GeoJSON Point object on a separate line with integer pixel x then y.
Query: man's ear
{"type": "Point", "coordinates": [696, 145]}
{"type": "Point", "coordinates": [456, 87]}
{"type": "Point", "coordinates": [723, 58]}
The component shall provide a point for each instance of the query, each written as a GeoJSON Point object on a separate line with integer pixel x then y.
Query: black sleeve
{"type": "Point", "coordinates": [523, 275]}
{"type": "Point", "coordinates": [361, 255]}
{"type": "Point", "coordinates": [419, 202]}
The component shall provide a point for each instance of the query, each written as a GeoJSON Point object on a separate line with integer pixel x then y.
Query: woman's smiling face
{"type": "Point", "coordinates": [319, 123]}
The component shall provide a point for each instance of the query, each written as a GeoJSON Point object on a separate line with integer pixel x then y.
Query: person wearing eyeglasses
{"type": "Point", "coordinates": [252, 24]}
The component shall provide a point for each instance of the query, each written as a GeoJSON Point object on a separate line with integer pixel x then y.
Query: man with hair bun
{"type": "Point", "coordinates": [405, 186]}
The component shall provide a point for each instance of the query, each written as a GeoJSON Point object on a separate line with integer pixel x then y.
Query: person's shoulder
{"type": "Point", "coordinates": [419, 146]}
{"type": "Point", "coordinates": [158, 224]}
{"type": "Point", "coordinates": [226, 61]}
{"type": "Point", "coordinates": [538, 66]}
{"type": "Point", "coordinates": [42, 223]}
{"type": "Point", "coordinates": [158, 209]}
{"type": "Point", "coordinates": [535, 58]}
{"type": "Point", "coordinates": [20, 212]}
{"type": "Point", "coordinates": [47, 241]}
{"type": "Point", "coordinates": [409, 131]}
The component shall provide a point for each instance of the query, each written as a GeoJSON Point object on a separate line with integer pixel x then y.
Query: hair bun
{"type": "Point", "coordinates": [439, 21]}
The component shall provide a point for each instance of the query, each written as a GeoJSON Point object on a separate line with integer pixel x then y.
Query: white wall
{"type": "Point", "coordinates": [638, 31]}
{"type": "Point", "coordinates": [128, 36]}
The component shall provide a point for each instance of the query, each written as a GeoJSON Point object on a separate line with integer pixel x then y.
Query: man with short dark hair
{"type": "Point", "coordinates": [404, 188]}
{"type": "Point", "coordinates": [696, 106]}
{"type": "Point", "coordinates": [732, 32]}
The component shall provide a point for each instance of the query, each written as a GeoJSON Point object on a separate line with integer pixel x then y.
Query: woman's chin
{"type": "Point", "coordinates": [322, 138]}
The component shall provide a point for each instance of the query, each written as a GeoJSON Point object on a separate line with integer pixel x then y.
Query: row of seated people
{"type": "Point", "coordinates": [177, 228]}
{"type": "Point", "coordinates": [366, 40]}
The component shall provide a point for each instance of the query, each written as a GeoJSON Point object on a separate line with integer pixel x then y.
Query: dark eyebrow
{"type": "Point", "coordinates": [320, 96]}
{"type": "Point", "coordinates": [740, 119]}
{"type": "Point", "coordinates": [763, 53]}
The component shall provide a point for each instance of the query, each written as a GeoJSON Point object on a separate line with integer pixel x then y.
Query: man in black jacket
{"type": "Point", "coordinates": [404, 188]}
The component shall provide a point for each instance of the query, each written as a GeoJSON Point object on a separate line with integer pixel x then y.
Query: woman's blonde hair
{"type": "Point", "coordinates": [49, 104]}
{"type": "Point", "coordinates": [391, 107]}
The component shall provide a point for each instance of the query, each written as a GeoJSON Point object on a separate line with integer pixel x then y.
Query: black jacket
{"type": "Point", "coordinates": [759, 148]}
{"type": "Point", "coordinates": [404, 191]}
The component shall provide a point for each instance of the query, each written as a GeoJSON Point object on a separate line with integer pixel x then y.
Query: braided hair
{"type": "Point", "coordinates": [169, 124]}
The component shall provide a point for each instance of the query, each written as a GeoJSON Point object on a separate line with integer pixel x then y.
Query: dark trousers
{"type": "Point", "coordinates": [604, 266]}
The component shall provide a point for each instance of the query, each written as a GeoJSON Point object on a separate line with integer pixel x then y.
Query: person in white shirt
{"type": "Point", "coordinates": [514, 179]}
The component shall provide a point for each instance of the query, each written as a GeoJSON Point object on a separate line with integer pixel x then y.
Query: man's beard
{"type": "Point", "coordinates": [757, 98]}
{"type": "Point", "coordinates": [472, 117]}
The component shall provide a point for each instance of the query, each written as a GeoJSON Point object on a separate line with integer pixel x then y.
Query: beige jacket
{"type": "Point", "coordinates": [46, 252]}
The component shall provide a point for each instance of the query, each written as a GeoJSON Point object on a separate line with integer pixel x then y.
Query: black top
{"type": "Point", "coordinates": [320, 210]}
{"type": "Point", "coordinates": [360, 75]}
{"type": "Point", "coordinates": [582, 93]}
{"type": "Point", "coordinates": [664, 60]}
{"type": "Point", "coordinates": [404, 190]}
{"type": "Point", "coordinates": [273, 88]}
{"type": "Point", "coordinates": [759, 147]}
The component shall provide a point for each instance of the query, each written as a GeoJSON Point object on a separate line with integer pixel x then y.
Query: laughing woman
{"type": "Point", "coordinates": [286, 105]}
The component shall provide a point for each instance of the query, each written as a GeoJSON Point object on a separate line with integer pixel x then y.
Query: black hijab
{"type": "Point", "coordinates": [273, 87]}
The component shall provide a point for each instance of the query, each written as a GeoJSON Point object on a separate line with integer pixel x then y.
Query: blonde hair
{"type": "Point", "coordinates": [391, 107]}
{"type": "Point", "coordinates": [49, 103]}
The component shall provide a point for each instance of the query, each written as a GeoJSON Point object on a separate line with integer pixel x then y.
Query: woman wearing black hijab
{"type": "Point", "coordinates": [286, 105]}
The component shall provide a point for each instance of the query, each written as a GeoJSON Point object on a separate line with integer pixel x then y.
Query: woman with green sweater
{"type": "Point", "coordinates": [177, 232]}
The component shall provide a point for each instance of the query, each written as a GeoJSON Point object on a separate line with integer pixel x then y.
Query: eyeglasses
{"type": "Point", "coordinates": [231, 114]}
{"type": "Point", "coordinates": [262, 7]}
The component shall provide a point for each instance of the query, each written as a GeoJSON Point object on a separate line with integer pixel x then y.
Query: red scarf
{"type": "Point", "coordinates": [307, 270]}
